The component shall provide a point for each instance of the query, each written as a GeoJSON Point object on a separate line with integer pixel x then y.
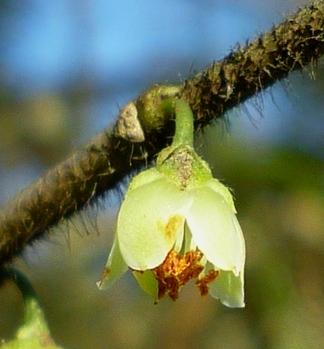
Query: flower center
{"type": "Point", "coordinates": [176, 270]}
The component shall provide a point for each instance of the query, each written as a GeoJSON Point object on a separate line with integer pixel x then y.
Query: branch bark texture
{"type": "Point", "coordinates": [98, 167]}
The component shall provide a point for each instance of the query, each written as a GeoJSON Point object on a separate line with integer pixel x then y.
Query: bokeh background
{"type": "Point", "coordinates": [66, 66]}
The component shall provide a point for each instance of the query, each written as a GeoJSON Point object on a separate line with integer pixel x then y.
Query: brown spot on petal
{"type": "Point", "coordinates": [176, 270]}
{"type": "Point", "coordinates": [105, 272]}
{"type": "Point", "coordinates": [104, 275]}
{"type": "Point", "coordinates": [204, 281]}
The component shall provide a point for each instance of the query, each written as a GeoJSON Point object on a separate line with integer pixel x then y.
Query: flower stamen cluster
{"type": "Point", "coordinates": [203, 282]}
{"type": "Point", "coordinates": [176, 270]}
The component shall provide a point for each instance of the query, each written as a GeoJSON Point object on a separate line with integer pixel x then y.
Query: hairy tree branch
{"type": "Point", "coordinates": [91, 171]}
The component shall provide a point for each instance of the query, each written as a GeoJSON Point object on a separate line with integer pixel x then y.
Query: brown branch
{"type": "Point", "coordinates": [88, 173]}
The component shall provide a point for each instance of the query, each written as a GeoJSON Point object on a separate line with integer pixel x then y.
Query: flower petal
{"type": "Point", "coordinates": [229, 289]}
{"type": "Point", "coordinates": [143, 178]}
{"type": "Point", "coordinates": [114, 269]}
{"type": "Point", "coordinates": [149, 221]}
{"type": "Point", "coordinates": [220, 188]}
{"type": "Point", "coordinates": [180, 239]}
{"type": "Point", "coordinates": [147, 282]}
{"type": "Point", "coordinates": [215, 230]}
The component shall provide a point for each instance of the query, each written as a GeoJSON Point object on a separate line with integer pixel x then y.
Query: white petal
{"type": "Point", "coordinates": [147, 282]}
{"type": "Point", "coordinates": [220, 188]}
{"type": "Point", "coordinates": [143, 178]}
{"type": "Point", "coordinates": [229, 289]}
{"type": "Point", "coordinates": [180, 239]}
{"type": "Point", "coordinates": [215, 230]}
{"type": "Point", "coordinates": [242, 249]}
{"type": "Point", "coordinates": [114, 269]}
{"type": "Point", "coordinates": [149, 221]}
{"type": "Point", "coordinates": [188, 243]}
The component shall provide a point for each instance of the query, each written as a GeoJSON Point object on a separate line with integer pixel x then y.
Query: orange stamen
{"type": "Point", "coordinates": [203, 282]}
{"type": "Point", "coordinates": [176, 271]}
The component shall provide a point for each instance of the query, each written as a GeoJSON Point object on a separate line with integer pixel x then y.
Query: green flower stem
{"type": "Point", "coordinates": [184, 128]}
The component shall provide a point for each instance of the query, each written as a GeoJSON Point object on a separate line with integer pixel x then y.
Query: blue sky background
{"type": "Point", "coordinates": [48, 42]}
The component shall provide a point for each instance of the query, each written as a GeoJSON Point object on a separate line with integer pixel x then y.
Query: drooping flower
{"type": "Point", "coordinates": [178, 223]}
